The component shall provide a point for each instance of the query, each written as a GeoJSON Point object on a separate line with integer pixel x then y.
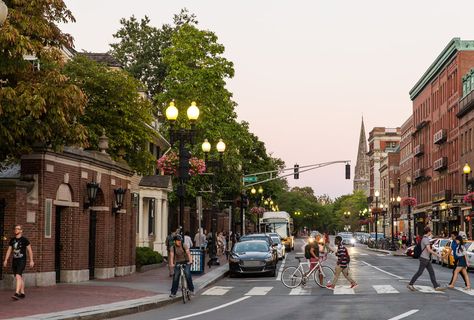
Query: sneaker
{"type": "Point", "coordinates": [330, 286]}
{"type": "Point", "coordinates": [411, 287]}
{"type": "Point", "coordinates": [22, 296]}
{"type": "Point", "coordinates": [172, 296]}
{"type": "Point", "coordinates": [16, 296]}
{"type": "Point", "coordinates": [353, 285]}
{"type": "Point", "coordinates": [440, 288]}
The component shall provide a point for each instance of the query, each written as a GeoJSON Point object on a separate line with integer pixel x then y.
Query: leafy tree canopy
{"type": "Point", "coordinates": [38, 104]}
{"type": "Point", "coordinates": [115, 107]}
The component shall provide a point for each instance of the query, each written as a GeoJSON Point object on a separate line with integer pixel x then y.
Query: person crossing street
{"type": "Point", "coordinates": [342, 266]}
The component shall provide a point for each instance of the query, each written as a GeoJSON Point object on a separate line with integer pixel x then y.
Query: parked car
{"type": "Point", "coordinates": [470, 255]}
{"type": "Point", "coordinates": [280, 248]}
{"type": "Point", "coordinates": [437, 246]}
{"type": "Point", "coordinates": [409, 251]}
{"type": "Point", "coordinates": [252, 256]}
{"type": "Point", "coordinates": [361, 237]}
{"type": "Point", "coordinates": [262, 236]}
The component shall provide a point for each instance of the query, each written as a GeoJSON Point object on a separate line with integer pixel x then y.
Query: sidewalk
{"type": "Point", "coordinates": [99, 299]}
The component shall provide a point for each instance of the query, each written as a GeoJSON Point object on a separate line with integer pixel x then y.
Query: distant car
{"type": "Point", "coordinates": [347, 238]}
{"type": "Point", "coordinates": [447, 255]}
{"type": "Point", "coordinates": [252, 256]}
{"type": "Point", "coordinates": [409, 251]}
{"type": "Point", "coordinates": [437, 247]}
{"type": "Point", "coordinates": [280, 248]}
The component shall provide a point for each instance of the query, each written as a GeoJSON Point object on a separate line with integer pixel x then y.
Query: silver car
{"type": "Point", "coordinates": [437, 247]}
{"type": "Point", "coordinates": [280, 248]}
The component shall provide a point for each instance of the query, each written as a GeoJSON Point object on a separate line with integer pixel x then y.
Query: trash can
{"type": "Point", "coordinates": [198, 260]}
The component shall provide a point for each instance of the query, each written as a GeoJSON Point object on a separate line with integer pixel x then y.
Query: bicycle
{"type": "Point", "coordinates": [185, 293]}
{"type": "Point", "coordinates": [292, 277]}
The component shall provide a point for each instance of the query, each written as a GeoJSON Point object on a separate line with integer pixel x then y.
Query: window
{"type": "Point", "coordinates": [48, 208]}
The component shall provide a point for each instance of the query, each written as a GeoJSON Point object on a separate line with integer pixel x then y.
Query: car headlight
{"type": "Point", "coordinates": [353, 240]}
{"type": "Point", "coordinates": [270, 258]}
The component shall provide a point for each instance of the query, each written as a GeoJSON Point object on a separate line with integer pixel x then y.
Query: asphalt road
{"type": "Point", "coordinates": [381, 294]}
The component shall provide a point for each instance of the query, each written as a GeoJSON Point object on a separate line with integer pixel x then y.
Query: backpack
{"type": "Point", "coordinates": [417, 251]}
{"type": "Point", "coordinates": [307, 251]}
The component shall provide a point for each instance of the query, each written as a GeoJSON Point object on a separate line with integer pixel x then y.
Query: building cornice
{"type": "Point", "coordinates": [456, 44]}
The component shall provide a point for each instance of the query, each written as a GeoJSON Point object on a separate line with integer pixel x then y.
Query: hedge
{"type": "Point", "coordinates": [146, 255]}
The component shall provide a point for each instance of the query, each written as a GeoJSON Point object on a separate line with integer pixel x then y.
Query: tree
{"type": "Point", "coordinates": [38, 104]}
{"type": "Point", "coordinates": [115, 107]}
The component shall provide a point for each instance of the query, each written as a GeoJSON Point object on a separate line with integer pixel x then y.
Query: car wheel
{"type": "Point", "coordinates": [273, 272]}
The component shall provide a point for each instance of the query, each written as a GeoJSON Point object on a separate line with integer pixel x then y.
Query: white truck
{"type": "Point", "coordinates": [279, 222]}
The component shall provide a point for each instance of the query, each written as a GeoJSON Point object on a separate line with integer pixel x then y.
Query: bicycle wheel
{"type": "Point", "coordinates": [323, 276]}
{"type": "Point", "coordinates": [183, 288]}
{"type": "Point", "coordinates": [291, 277]}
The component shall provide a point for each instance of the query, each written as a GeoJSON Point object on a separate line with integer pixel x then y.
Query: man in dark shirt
{"type": "Point", "coordinates": [342, 266]}
{"type": "Point", "coordinates": [19, 245]}
{"type": "Point", "coordinates": [180, 255]}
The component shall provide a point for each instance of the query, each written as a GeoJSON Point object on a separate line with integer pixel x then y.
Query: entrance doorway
{"type": "Point", "coordinates": [58, 247]}
{"type": "Point", "coordinates": [92, 237]}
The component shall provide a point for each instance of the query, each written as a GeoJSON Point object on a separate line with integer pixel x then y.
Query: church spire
{"type": "Point", "coordinates": [361, 175]}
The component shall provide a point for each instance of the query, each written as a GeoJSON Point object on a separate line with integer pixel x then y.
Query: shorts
{"type": "Point", "coordinates": [18, 266]}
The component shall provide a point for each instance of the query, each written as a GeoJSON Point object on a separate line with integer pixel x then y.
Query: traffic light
{"type": "Point", "coordinates": [348, 171]}
{"type": "Point", "coordinates": [296, 171]}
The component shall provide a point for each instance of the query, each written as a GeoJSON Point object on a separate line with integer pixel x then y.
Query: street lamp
{"type": "Point", "coordinates": [376, 194]}
{"type": "Point", "coordinates": [217, 164]}
{"type": "Point", "coordinates": [3, 12]}
{"type": "Point", "coordinates": [392, 204]}
{"type": "Point", "coordinates": [408, 180]}
{"type": "Point", "coordinates": [467, 170]}
{"type": "Point", "coordinates": [183, 136]}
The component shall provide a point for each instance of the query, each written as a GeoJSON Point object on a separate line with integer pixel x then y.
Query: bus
{"type": "Point", "coordinates": [279, 222]}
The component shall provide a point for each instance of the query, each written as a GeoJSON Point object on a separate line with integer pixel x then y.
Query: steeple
{"type": "Point", "coordinates": [361, 174]}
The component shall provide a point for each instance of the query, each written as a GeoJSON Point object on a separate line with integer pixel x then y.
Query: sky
{"type": "Point", "coordinates": [306, 71]}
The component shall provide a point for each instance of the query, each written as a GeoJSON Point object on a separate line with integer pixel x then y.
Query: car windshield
{"type": "Point", "coordinates": [250, 246]}
{"type": "Point", "coordinates": [250, 238]}
{"type": "Point", "coordinates": [469, 246]}
{"type": "Point", "coordinates": [276, 240]}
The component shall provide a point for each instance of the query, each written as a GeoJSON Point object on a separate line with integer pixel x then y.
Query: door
{"type": "Point", "coordinates": [57, 244]}
{"type": "Point", "coordinates": [92, 236]}
{"type": "Point", "coordinates": [3, 235]}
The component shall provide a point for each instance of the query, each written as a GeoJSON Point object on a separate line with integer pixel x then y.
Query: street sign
{"type": "Point", "coordinates": [250, 179]}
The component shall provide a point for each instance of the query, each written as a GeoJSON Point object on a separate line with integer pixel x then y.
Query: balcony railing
{"type": "Point", "coordinates": [418, 150]}
{"type": "Point", "coordinates": [418, 174]}
{"type": "Point", "coordinates": [444, 195]}
{"type": "Point", "coordinates": [440, 136]}
{"type": "Point", "coordinates": [440, 164]}
{"type": "Point", "coordinates": [466, 104]}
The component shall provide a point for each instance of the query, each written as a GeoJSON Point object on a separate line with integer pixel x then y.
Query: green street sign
{"type": "Point", "coordinates": [250, 179]}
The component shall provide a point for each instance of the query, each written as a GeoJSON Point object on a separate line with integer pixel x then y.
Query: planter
{"type": "Point", "coordinates": [149, 267]}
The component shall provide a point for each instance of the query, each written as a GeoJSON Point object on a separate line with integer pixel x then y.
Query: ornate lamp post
{"type": "Point", "coordinates": [376, 194]}
{"type": "Point", "coordinates": [467, 170]}
{"type": "Point", "coordinates": [3, 12]}
{"type": "Point", "coordinates": [217, 164]}
{"type": "Point", "coordinates": [347, 215]}
{"type": "Point", "coordinates": [408, 180]}
{"type": "Point", "coordinates": [183, 136]}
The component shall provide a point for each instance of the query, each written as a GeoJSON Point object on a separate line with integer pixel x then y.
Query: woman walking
{"type": "Point", "coordinates": [460, 254]}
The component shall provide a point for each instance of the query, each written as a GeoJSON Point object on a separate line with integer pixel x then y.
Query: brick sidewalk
{"type": "Point", "coordinates": [62, 297]}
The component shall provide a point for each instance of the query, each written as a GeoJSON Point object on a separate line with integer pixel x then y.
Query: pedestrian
{"type": "Point", "coordinates": [425, 262]}
{"type": "Point", "coordinates": [180, 255]}
{"type": "Point", "coordinates": [187, 239]}
{"type": "Point", "coordinates": [342, 266]}
{"type": "Point", "coordinates": [462, 264]}
{"type": "Point", "coordinates": [454, 246]}
{"type": "Point", "coordinates": [199, 238]}
{"type": "Point", "coordinates": [220, 244]}
{"type": "Point", "coordinates": [404, 241]}
{"type": "Point", "coordinates": [19, 245]}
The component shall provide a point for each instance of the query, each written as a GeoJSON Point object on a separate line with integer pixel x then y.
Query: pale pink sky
{"type": "Point", "coordinates": [306, 71]}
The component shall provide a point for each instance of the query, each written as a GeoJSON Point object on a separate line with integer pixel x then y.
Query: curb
{"type": "Point", "coordinates": [127, 307]}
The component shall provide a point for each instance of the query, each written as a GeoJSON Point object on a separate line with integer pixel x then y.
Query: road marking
{"type": "Point", "coordinates": [210, 310]}
{"type": "Point", "coordinates": [258, 291]}
{"type": "Point", "coordinates": [343, 290]}
{"type": "Point", "coordinates": [278, 278]}
{"type": "Point", "coordinates": [404, 315]}
{"type": "Point", "coordinates": [469, 292]}
{"type": "Point", "coordinates": [391, 274]}
{"type": "Point", "coordinates": [385, 289]}
{"type": "Point", "coordinates": [363, 254]}
{"type": "Point", "coordinates": [427, 289]}
{"type": "Point", "coordinates": [380, 255]}
{"type": "Point", "coordinates": [300, 291]}
{"type": "Point", "coordinates": [216, 291]}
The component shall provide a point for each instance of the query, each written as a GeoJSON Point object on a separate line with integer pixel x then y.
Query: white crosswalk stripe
{"type": "Point", "coordinates": [427, 289]}
{"type": "Point", "coordinates": [258, 291]}
{"type": "Point", "coordinates": [300, 291]}
{"type": "Point", "coordinates": [382, 289]}
{"type": "Point", "coordinates": [216, 291]}
{"type": "Point", "coordinates": [343, 290]}
{"type": "Point", "coordinates": [469, 292]}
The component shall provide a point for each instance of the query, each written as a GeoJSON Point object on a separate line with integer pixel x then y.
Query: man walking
{"type": "Point", "coordinates": [342, 266]}
{"type": "Point", "coordinates": [454, 246]}
{"type": "Point", "coordinates": [19, 245]}
{"type": "Point", "coordinates": [180, 255]}
{"type": "Point", "coordinates": [425, 262]}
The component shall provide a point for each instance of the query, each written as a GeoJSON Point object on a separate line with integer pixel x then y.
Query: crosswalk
{"type": "Point", "coordinates": [339, 290]}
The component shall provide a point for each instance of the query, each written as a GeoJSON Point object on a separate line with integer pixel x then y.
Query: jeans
{"type": "Point", "coordinates": [454, 269]}
{"type": "Point", "coordinates": [425, 263]}
{"type": "Point", "coordinates": [177, 274]}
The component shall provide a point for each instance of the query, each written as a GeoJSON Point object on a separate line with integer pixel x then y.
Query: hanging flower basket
{"type": "Point", "coordinates": [409, 201]}
{"type": "Point", "coordinates": [169, 164]}
{"type": "Point", "coordinates": [469, 198]}
{"type": "Point", "coordinates": [257, 210]}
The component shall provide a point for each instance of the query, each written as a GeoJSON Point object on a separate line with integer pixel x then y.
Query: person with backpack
{"type": "Point", "coordinates": [454, 246]}
{"type": "Point", "coordinates": [462, 264]}
{"type": "Point", "coordinates": [343, 260]}
{"type": "Point", "coordinates": [311, 252]}
{"type": "Point", "coordinates": [422, 252]}
{"type": "Point", "coordinates": [180, 255]}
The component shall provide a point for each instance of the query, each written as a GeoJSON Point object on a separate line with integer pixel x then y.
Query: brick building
{"type": "Point", "coordinates": [389, 188]}
{"type": "Point", "coordinates": [406, 161]}
{"type": "Point", "coordinates": [73, 240]}
{"type": "Point", "coordinates": [436, 167]}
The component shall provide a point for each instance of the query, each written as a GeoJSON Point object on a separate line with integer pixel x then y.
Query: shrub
{"type": "Point", "coordinates": [145, 256]}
